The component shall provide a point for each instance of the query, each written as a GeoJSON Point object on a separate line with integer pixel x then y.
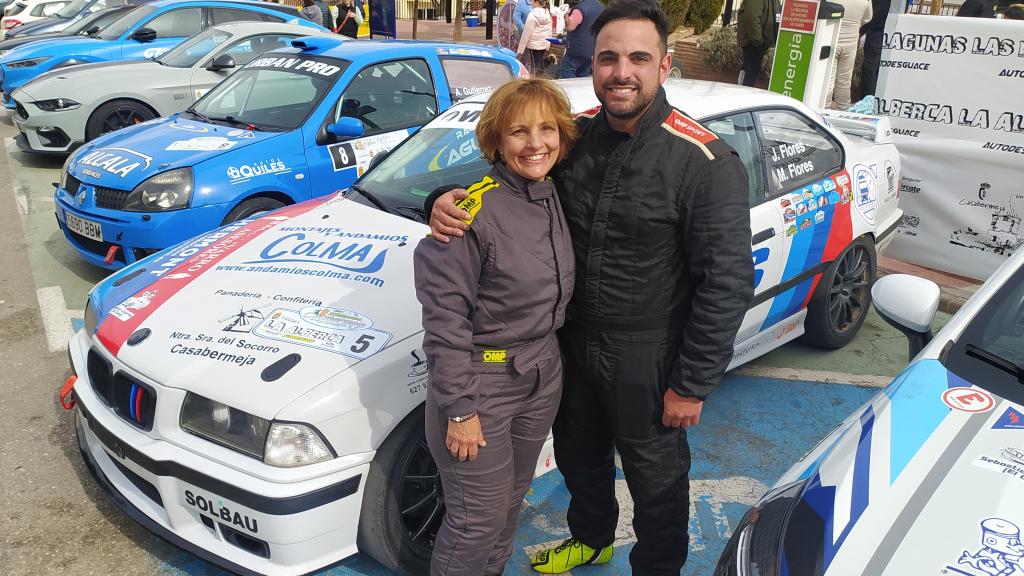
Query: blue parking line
{"type": "Point", "coordinates": [752, 430]}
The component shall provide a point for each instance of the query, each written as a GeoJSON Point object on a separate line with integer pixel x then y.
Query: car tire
{"type": "Point", "coordinates": [115, 115]}
{"type": "Point", "coordinates": [403, 502]}
{"type": "Point", "coordinates": [251, 207]}
{"type": "Point", "coordinates": [843, 297]}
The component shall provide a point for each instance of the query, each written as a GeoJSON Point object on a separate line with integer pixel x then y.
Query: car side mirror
{"type": "Point", "coordinates": [144, 35]}
{"type": "Point", "coordinates": [908, 303]}
{"type": "Point", "coordinates": [92, 30]}
{"type": "Point", "coordinates": [346, 127]}
{"type": "Point", "coordinates": [221, 62]}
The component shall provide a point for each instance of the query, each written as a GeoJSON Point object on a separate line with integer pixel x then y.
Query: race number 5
{"type": "Point", "coordinates": [362, 343]}
{"type": "Point", "coordinates": [342, 156]}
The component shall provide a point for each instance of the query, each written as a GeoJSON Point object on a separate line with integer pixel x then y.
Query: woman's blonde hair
{"type": "Point", "coordinates": [515, 98]}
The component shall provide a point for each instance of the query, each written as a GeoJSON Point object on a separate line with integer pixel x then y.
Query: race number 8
{"type": "Point", "coordinates": [362, 343]}
{"type": "Point", "coordinates": [342, 156]}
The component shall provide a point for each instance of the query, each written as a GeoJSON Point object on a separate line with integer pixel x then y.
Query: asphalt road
{"type": "Point", "coordinates": [55, 520]}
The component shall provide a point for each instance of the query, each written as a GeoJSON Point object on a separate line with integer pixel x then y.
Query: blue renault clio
{"type": "Point", "coordinates": [293, 124]}
{"type": "Point", "coordinates": [145, 32]}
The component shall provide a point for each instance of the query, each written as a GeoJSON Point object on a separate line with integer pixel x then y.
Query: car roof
{"type": "Point", "coordinates": [244, 27]}
{"type": "Point", "coordinates": [341, 47]}
{"type": "Point", "coordinates": [265, 5]}
{"type": "Point", "coordinates": [697, 98]}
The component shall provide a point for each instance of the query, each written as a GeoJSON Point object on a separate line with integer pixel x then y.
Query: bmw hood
{"type": "Point", "coordinates": [259, 312]}
{"type": "Point", "coordinates": [125, 158]}
{"type": "Point", "coordinates": [927, 479]}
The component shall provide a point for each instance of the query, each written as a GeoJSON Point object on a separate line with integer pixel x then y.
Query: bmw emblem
{"type": "Point", "coordinates": [80, 198]}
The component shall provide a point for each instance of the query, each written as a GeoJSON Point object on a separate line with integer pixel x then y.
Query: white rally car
{"type": "Point", "coordinates": [254, 394]}
{"type": "Point", "coordinates": [928, 476]}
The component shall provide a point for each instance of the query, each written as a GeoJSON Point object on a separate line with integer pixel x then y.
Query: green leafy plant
{"type": "Point", "coordinates": [703, 14]}
{"type": "Point", "coordinates": [719, 50]}
{"type": "Point", "coordinates": [676, 12]}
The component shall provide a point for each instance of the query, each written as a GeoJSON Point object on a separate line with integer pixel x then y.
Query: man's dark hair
{"type": "Point", "coordinates": [1014, 12]}
{"type": "Point", "coordinates": [634, 10]}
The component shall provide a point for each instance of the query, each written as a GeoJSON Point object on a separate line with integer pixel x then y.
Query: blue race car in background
{"type": "Point", "coordinates": [293, 124]}
{"type": "Point", "coordinates": [145, 32]}
{"type": "Point", "coordinates": [67, 16]}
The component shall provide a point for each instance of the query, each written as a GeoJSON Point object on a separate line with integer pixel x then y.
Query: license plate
{"type": "Point", "coordinates": [86, 228]}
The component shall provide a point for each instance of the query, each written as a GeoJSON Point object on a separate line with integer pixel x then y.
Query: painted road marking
{"type": "Point", "coordinates": [58, 322]}
{"type": "Point", "coordinates": [864, 380]}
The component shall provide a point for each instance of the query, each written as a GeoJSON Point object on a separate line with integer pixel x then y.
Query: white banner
{"type": "Point", "coordinates": [953, 89]}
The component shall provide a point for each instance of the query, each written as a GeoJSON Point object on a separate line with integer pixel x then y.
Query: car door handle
{"type": "Point", "coordinates": [762, 236]}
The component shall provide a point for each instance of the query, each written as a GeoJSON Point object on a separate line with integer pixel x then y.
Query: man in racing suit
{"type": "Point", "coordinates": [657, 209]}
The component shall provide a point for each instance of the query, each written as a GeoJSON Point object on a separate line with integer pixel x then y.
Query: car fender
{"type": "Point", "coordinates": [275, 167]}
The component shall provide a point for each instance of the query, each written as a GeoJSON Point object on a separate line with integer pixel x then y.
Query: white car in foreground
{"type": "Point", "coordinates": [253, 395]}
{"type": "Point", "coordinates": [928, 476]}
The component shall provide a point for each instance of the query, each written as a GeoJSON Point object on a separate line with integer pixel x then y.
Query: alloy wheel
{"type": "Point", "coordinates": [848, 297]}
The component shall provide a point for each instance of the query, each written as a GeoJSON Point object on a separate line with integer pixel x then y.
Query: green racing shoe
{"type": "Point", "coordinates": [568, 555]}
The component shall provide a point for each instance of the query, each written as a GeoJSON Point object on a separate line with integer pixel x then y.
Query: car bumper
{"type": "Point", "coordinates": [134, 236]}
{"type": "Point", "coordinates": [57, 132]}
{"type": "Point", "coordinates": [300, 526]}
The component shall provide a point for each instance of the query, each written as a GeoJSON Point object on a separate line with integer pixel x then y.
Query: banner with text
{"type": "Point", "coordinates": [952, 90]}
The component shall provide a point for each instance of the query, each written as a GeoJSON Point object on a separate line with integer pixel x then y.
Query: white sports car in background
{"type": "Point", "coordinates": [928, 476]}
{"type": "Point", "coordinates": [254, 394]}
{"type": "Point", "coordinates": [58, 112]}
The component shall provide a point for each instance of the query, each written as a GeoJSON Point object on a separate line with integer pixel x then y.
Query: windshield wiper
{"type": "Point", "coordinates": [199, 115]}
{"type": "Point", "coordinates": [236, 122]}
{"type": "Point", "coordinates": [373, 199]}
{"type": "Point", "coordinates": [418, 213]}
{"type": "Point", "coordinates": [1004, 364]}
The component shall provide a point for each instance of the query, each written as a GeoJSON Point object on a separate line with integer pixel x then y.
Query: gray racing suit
{"type": "Point", "coordinates": [492, 301]}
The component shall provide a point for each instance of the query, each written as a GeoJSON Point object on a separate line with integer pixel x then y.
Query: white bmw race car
{"type": "Point", "coordinates": [253, 394]}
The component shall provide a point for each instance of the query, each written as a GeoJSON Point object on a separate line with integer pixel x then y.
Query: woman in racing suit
{"type": "Point", "coordinates": [492, 301]}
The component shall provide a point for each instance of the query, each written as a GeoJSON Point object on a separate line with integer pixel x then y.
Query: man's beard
{"type": "Point", "coordinates": [628, 110]}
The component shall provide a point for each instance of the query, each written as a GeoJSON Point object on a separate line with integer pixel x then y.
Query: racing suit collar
{"type": "Point", "coordinates": [531, 189]}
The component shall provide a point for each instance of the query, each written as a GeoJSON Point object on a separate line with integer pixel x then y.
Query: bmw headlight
{"type": "Point", "coordinates": [282, 444]}
{"type": "Point", "coordinates": [756, 545]}
{"type": "Point", "coordinates": [169, 190]}
{"type": "Point", "coordinates": [28, 63]}
{"type": "Point", "coordinates": [57, 104]}
{"type": "Point", "coordinates": [225, 425]}
{"type": "Point", "coordinates": [290, 444]}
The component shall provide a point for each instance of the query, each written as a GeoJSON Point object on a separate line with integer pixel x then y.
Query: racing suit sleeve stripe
{"type": "Point", "coordinates": [447, 276]}
{"type": "Point", "coordinates": [717, 237]}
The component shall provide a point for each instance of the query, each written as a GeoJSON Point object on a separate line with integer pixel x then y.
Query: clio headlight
{"type": "Point", "coordinates": [169, 190]}
{"type": "Point", "coordinates": [282, 444]}
{"type": "Point", "coordinates": [756, 545]}
{"type": "Point", "coordinates": [28, 63]}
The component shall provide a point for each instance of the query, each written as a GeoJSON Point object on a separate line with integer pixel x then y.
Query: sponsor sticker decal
{"type": "Point", "coordinates": [999, 554]}
{"type": "Point", "coordinates": [335, 318]}
{"type": "Point", "coordinates": [245, 172]}
{"type": "Point", "coordinates": [188, 127]}
{"type": "Point", "coordinates": [1012, 419]}
{"type": "Point", "coordinates": [971, 400]}
{"type": "Point", "coordinates": [202, 144]}
{"type": "Point", "coordinates": [241, 134]}
{"type": "Point", "coordinates": [289, 326]}
{"type": "Point", "coordinates": [117, 161]}
{"type": "Point", "coordinates": [125, 310]}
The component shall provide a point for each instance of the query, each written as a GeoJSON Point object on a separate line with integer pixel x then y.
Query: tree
{"type": "Point", "coordinates": [457, 30]}
{"type": "Point", "coordinates": [676, 12]}
{"type": "Point", "coordinates": [703, 13]}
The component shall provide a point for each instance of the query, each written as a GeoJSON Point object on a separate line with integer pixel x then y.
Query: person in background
{"type": "Point", "coordinates": [350, 17]}
{"type": "Point", "coordinates": [977, 9]}
{"type": "Point", "coordinates": [579, 50]}
{"type": "Point", "coordinates": [492, 301]}
{"type": "Point", "coordinates": [873, 32]}
{"type": "Point", "coordinates": [1014, 12]}
{"type": "Point", "coordinates": [522, 11]}
{"type": "Point", "coordinates": [858, 13]}
{"type": "Point", "coordinates": [327, 20]}
{"type": "Point", "coordinates": [534, 44]}
{"type": "Point", "coordinates": [310, 11]}
{"type": "Point", "coordinates": [755, 34]}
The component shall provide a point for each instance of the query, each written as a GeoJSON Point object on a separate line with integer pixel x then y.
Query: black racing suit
{"type": "Point", "coordinates": [661, 234]}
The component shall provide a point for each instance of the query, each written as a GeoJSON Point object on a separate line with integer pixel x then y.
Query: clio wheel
{"type": "Point", "coordinates": [116, 115]}
{"type": "Point", "coordinates": [403, 501]}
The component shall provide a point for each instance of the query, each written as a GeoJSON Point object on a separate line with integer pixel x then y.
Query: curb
{"type": "Point", "coordinates": [954, 290]}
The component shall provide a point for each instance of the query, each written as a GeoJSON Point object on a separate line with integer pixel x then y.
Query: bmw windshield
{"type": "Point", "coordinates": [990, 351]}
{"type": "Point", "coordinates": [443, 152]}
{"type": "Point", "coordinates": [186, 54]}
{"type": "Point", "coordinates": [275, 93]}
{"type": "Point", "coordinates": [124, 23]}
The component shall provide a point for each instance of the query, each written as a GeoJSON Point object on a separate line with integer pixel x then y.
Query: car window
{"type": "Point", "coordinates": [183, 22]}
{"type": "Point", "coordinates": [99, 5]}
{"type": "Point", "coordinates": [390, 96]}
{"type": "Point", "coordinates": [997, 328]}
{"type": "Point", "coordinates": [243, 52]}
{"type": "Point", "coordinates": [190, 51]}
{"type": "Point", "coordinates": [224, 15]}
{"type": "Point", "coordinates": [738, 131]}
{"type": "Point", "coordinates": [125, 22]}
{"type": "Point", "coordinates": [795, 150]}
{"type": "Point", "coordinates": [467, 77]}
{"type": "Point", "coordinates": [73, 8]}
{"type": "Point", "coordinates": [47, 9]}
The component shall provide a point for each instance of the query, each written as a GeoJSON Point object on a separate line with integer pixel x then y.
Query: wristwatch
{"type": "Point", "coordinates": [461, 419]}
